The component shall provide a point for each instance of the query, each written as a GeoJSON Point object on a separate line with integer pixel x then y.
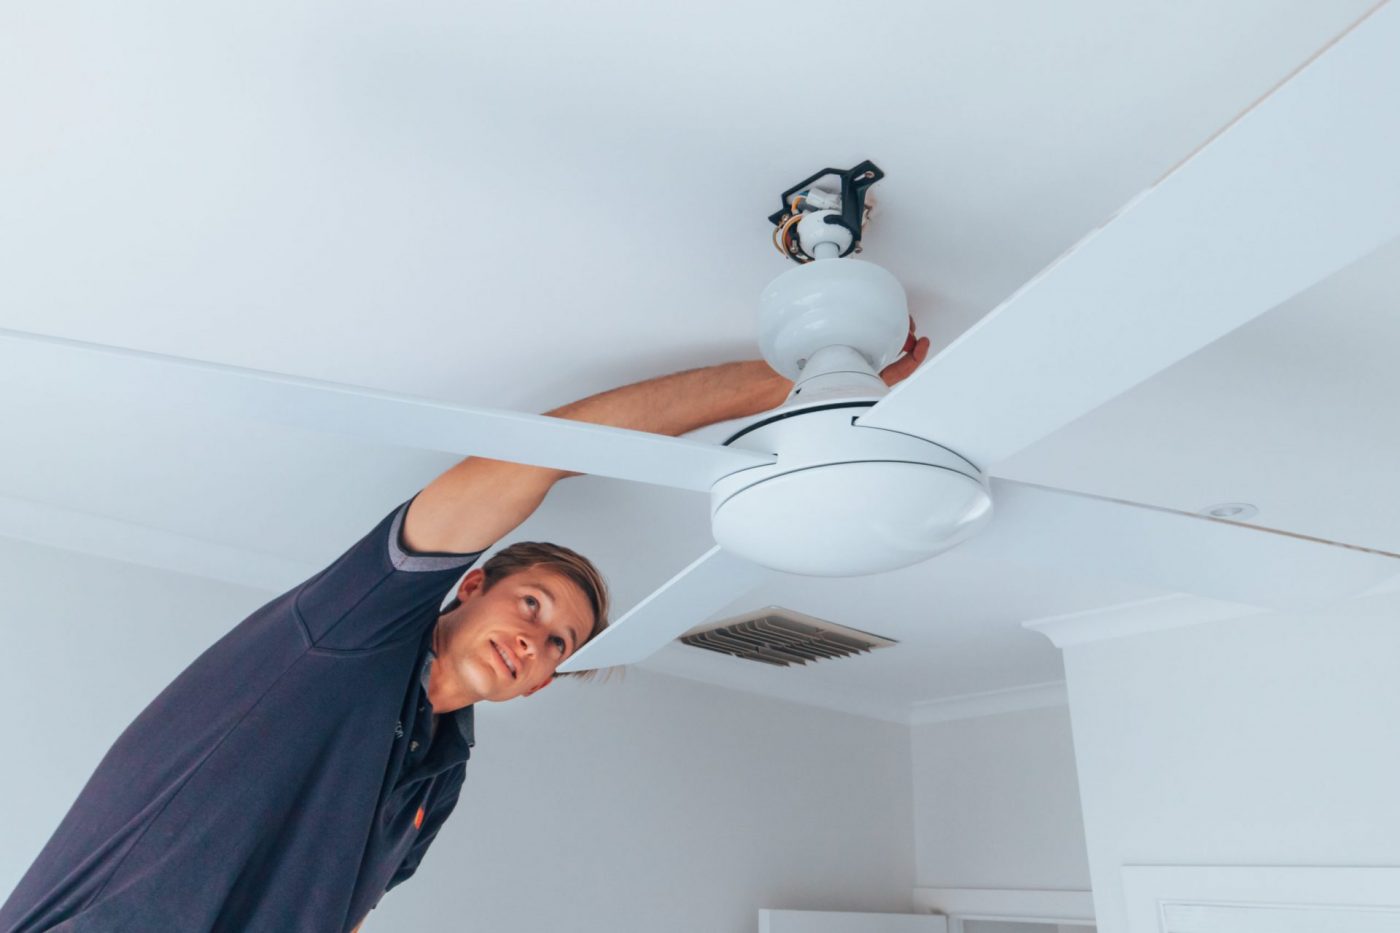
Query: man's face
{"type": "Point", "coordinates": [507, 641]}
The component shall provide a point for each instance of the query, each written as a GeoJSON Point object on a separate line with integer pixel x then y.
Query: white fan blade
{"type": "Point", "coordinates": [1298, 187]}
{"type": "Point", "coordinates": [1173, 550]}
{"type": "Point", "coordinates": [683, 602]}
{"type": "Point", "coordinates": [136, 377]}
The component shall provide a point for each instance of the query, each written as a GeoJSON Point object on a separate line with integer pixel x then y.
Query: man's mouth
{"type": "Point", "coordinates": [505, 659]}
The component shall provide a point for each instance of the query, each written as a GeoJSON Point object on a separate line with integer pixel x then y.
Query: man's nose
{"type": "Point", "coordinates": [525, 644]}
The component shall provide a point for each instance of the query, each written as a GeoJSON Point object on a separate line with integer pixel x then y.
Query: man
{"type": "Point", "coordinates": [301, 766]}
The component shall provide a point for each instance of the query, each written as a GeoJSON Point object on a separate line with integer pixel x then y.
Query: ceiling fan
{"type": "Point", "coordinates": [848, 477]}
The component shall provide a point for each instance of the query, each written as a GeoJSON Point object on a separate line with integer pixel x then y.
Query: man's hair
{"type": "Point", "coordinates": [571, 565]}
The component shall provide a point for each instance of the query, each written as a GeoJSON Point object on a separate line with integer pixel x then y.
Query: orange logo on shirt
{"type": "Point", "coordinates": [418, 819]}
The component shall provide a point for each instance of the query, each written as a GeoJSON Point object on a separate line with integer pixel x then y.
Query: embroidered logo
{"type": "Point", "coordinates": [398, 729]}
{"type": "Point", "coordinates": [418, 819]}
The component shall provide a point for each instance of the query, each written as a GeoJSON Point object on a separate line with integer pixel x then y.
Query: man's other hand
{"type": "Point", "coordinates": [915, 349]}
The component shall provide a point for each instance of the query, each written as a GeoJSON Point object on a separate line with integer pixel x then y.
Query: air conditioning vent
{"type": "Point", "coordinates": [782, 637]}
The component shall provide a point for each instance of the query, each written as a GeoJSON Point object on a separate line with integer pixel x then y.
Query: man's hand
{"type": "Point", "coordinates": [915, 349]}
{"type": "Point", "coordinates": [479, 501]}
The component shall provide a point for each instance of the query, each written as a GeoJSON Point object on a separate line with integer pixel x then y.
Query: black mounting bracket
{"type": "Point", "coordinates": [854, 183]}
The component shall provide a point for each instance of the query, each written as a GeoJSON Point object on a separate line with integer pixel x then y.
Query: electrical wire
{"type": "Point", "coordinates": [789, 246]}
{"type": "Point", "coordinates": [782, 236]}
{"type": "Point", "coordinates": [782, 232]}
{"type": "Point", "coordinates": [777, 245]}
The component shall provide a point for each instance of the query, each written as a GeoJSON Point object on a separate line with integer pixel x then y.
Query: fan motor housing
{"type": "Point", "coordinates": [842, 499]}
{"type": "Point", "coordinates": [832, 302]}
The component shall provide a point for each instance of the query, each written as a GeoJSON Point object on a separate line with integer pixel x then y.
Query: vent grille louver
{"type": "Point", "coordinates": [781, 637]}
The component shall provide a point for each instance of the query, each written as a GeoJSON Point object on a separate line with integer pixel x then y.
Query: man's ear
{"type": "Point", "coordinates": [540, 687]}
{"type": "Point", "coordinates": [471, 584]}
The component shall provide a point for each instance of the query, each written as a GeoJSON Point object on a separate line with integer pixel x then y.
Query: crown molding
{"type": "Point", "coordinates": [990, 703]}
{"type": "Point", "coordinates": [114, 539]}
{"type": "Point", "coordinates": [717, 670]}
{"type": "Point", "coordinates": [1134, 618]}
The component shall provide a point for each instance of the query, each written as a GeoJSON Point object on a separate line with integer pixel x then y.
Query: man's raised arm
{"type": "Point", "coordinates": [479, 501]}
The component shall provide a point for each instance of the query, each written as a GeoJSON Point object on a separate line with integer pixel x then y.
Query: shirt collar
{"type": "Point", "coordinates": [465, 718]}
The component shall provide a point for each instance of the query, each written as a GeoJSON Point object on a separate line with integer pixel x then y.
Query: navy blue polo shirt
{"type": "Point", "coordinates": [286, 780]}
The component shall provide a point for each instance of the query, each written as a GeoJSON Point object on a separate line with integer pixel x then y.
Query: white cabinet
{"type": "Point", "coordinates": [822, 921]}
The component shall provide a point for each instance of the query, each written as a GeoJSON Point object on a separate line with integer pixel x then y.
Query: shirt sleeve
{"type": "Point", "coordinates": [378, 591]}
{"type": "Point", "coordinates": [439, 809]}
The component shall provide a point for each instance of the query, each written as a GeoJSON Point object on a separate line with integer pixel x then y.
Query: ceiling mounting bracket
{"type": "Point", "coordinates": [823, 215]}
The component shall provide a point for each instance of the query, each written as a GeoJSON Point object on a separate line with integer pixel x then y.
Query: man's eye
{"type": "Point", "coordinates": [558, 642]}
{"type": "Point", "coordinates": [532, 603]}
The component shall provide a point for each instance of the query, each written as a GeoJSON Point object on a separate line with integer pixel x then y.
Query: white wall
{"type": "Point", "coordinates": [85, 644]}
{"type": "Point", "coordinates": [1272, 740]}
{"type": "Point", "coordinates": [658, 804]}
{"type": "Point", "coordinates": [996, 803]}
{"type": "Point", "coordinates": [648, 803]}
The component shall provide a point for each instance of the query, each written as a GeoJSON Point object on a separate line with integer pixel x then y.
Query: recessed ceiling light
{"type": "Point", "coordinates": [1231, 511]}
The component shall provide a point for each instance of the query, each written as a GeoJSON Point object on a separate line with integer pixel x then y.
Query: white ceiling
{"type": "Point", "coordinates": [514, 205]}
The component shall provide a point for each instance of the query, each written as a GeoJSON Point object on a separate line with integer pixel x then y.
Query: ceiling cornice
{"type": "Point", "coordinates": [115, 539]}
{"type": "Point", "coordinates": [689, 663]}
{"type": "Point", "coordinates": [1161, 613]}
{"type": "Point", "coordinates": [973, 705]}
{"type": "Point", "coordinates": [1134, 618]}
